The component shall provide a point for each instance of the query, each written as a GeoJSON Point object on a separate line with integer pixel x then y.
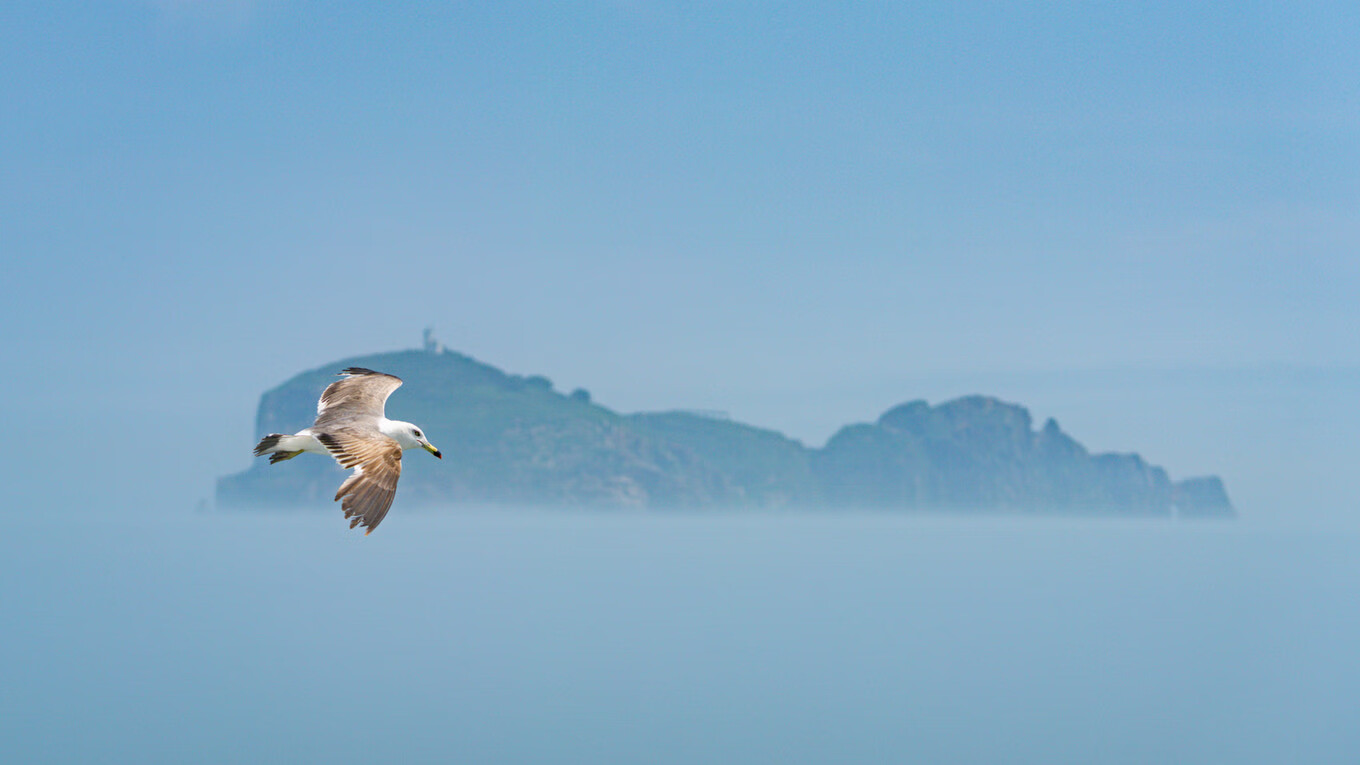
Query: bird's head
{"type": "Point", "coordinates": [418, 439]}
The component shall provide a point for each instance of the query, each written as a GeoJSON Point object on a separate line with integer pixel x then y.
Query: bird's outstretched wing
{"type": "Point", "coordinates": [362, 394]}
{"type": "Point", "coordinates": [376, 461]}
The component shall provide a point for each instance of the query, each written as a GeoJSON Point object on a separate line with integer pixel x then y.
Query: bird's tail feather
{"type": "Point", "coordinates": [268, 444]}
{"type": "Point", "coordinates": [277, 449]}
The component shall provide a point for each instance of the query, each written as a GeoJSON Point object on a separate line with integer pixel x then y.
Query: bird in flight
{"type": "Point", "coordinates": [351, 427]}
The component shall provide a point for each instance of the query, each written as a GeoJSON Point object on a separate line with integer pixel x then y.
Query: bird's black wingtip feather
{"type": "Point", "coordinates": [357, 371]}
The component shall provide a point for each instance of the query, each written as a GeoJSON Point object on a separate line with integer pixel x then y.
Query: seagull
{"type": "Point", "coordinates": [351, 427]}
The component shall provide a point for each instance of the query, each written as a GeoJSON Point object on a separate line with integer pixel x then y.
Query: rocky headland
{"type": "Point", "coordinates": [515, 440]}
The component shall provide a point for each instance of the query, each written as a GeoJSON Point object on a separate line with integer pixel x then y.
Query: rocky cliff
{"type": "Point", "coordinates": [515, 440]}
{"type": "Point", "coordinates": [978, 453]}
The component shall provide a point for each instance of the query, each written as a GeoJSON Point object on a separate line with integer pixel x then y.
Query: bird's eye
{"type": "Point", "coordinates": [419, 434]}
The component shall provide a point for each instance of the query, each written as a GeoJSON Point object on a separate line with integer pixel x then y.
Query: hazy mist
{"type": "Point", "coordinates": [1139, 220]}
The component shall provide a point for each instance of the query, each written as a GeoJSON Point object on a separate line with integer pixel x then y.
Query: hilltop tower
{"type": "Point", "coordinates": [431, 344]}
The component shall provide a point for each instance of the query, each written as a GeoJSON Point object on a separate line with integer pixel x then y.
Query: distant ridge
{"type": "Point", "coordinates": [511, 439]}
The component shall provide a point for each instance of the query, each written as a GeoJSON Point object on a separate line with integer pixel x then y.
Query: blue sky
{"type": "Point", "coordinates": [801, 213]}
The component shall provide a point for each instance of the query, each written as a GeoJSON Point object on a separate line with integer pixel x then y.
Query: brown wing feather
{"type": "Point", "coordinates": [369, 490]}
{"type": "Point", "coordinates": [363, 393]}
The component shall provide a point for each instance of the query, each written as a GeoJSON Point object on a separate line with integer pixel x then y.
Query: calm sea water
{"type": "Point", "coordinates": [523, 637]}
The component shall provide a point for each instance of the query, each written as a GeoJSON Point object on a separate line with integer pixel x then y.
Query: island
{"type": "Point", "coordinates": [512, 440]}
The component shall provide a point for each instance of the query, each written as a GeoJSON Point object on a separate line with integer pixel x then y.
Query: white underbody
{"type": "Point", "coordinates": [304, 441]}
